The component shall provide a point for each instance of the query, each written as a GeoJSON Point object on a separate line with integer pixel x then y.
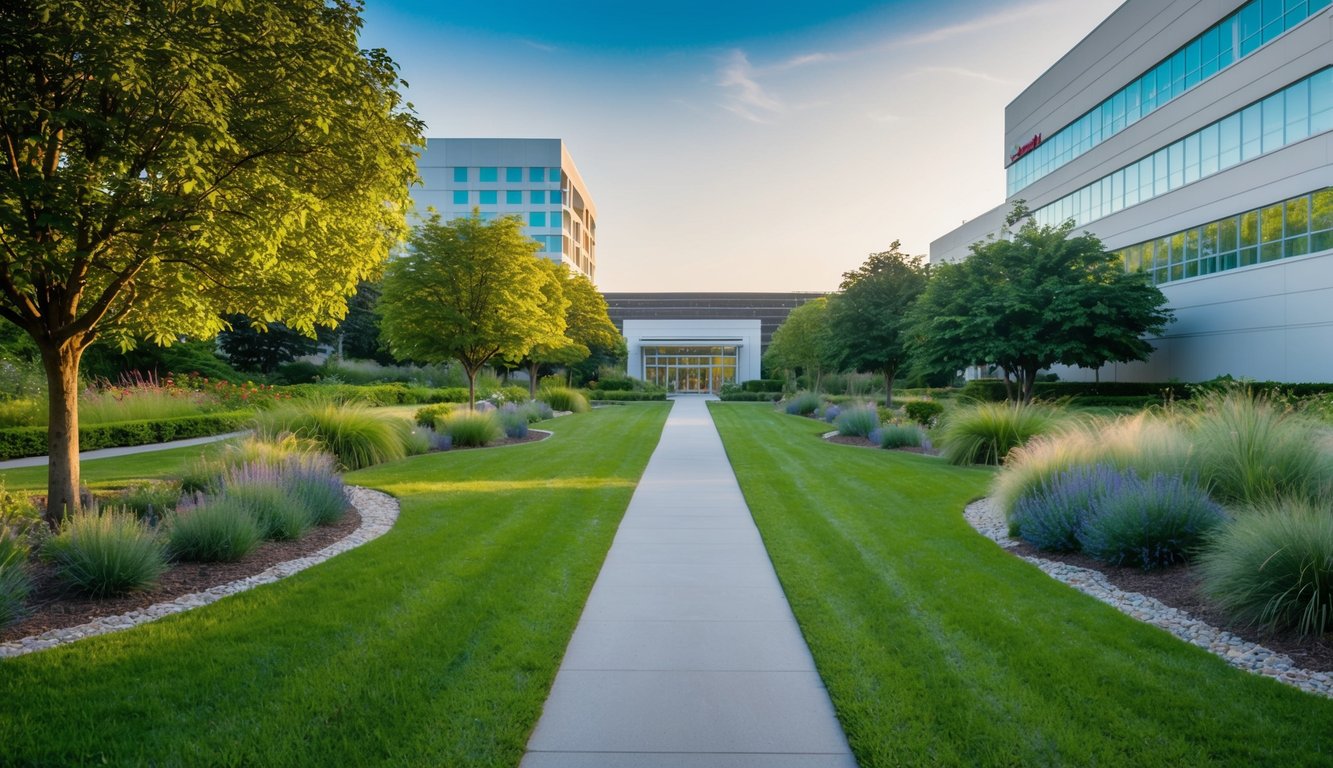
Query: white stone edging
{"type": "Point", "coordinates": [1236, 651]}
{"type": "Point", "coordinates": [379, 511]}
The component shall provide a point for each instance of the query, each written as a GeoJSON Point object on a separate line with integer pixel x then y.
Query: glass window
{"type": "Point", "coordinates": [488, 197]}
{"type": "Point", "coordinates": [1297, 220]}
{"type": "Point", "coordinates": [553, 175]}
{"type": "Point", "coordinates": [1208, 53]}
{"type": "Point", "coordinates": [1250, 131]}
{"type": "Point", "coordinates": [1208, 239]}
{"type": "Point", "coordinates": [1249, 229]}
{"type": "Point", "coordinates": [1191, 158]}
{"type": "Point", "coordinates": [537, 197]}
{"type": "Point", "coordinates": [514, 175]}
{"type": "Point", "coordinates": [555, 197]}
{"type": "Point", "coordinates": [1270, 223]}
{"type": "Point", "coordinates": [1274, 120]}
{"type": "Point", "coordinates": [1208, 150]}
{"type": "Point", "coordinates": [536, 174]}
{"type": "Point", "coordinates": [488, 175]}
{"type": "Point", "coordinates": [1228, 151]}
{"type": "Point", "coordinates": [1226, 234]}
{"type": "Point", "coordinates": [513, 197]}
{"type": "Point", "coordinates": [1176, 157]}
{"type": "Point", "coordinates": [1321, 102]}
{"type": "Point", "coordinates": [537, 219]}
{"type": "Point", "coordinates": [1321, 210]}
{"type": "Point", "coordinates": [460, 197]}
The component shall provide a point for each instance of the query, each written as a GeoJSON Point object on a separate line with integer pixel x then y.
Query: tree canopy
{"type": "Point", "coordinates": [166, 163]}
{"type": "Point", "coordinates": [470, 291]}
{"type": "Point", "coordinates": [1034, 299]}
{"type": "Point", "coordinates": [588, 327]}
{"type": "Point", "coordinates": [869, 317]}
{"type": "Point", "coordinates": [804, 341]}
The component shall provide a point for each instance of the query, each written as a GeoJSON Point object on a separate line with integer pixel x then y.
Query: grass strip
{"type": "Point", "coordinates": [940, 649]}
{"type": "Point", "coordinates": [435, 644]}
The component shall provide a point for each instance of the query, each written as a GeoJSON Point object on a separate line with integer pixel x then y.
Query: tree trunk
{"type": "Point", "coordinates": [532, 379]}
{"type": "Point", "coordinates": [62, 433]}
{"type": "Point", "coordinates": [889, 375]}
{"type": "Point", "coordinates": [1029, 380]}
{"type": "Point", "coordinates": [1008, 386]}
{"type": "Point", "coordinates": [471, 386]}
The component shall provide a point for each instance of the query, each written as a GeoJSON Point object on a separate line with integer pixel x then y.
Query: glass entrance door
{"type": "Point", "coordinates": [696, 369]}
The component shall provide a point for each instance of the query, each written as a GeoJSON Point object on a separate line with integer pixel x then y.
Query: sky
{"type": "Point", "coordinates": [742, 145]}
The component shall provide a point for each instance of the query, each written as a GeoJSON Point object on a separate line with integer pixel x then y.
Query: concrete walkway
{"type": "Point", "coordinates": [106, 453]}
{"type": "Point", "coordinates": [687, 653]}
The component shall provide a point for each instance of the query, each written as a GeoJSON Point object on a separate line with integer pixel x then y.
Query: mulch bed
{"type": "Point", "coordinates": [54, 606]}
{"type": "Point", "coordinates": [864, 442]}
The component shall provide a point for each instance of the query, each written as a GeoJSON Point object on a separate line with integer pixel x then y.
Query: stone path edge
{"type": "Point", "coordinates": [379, 512]}
{"type": "Point", "coordinates": [983, 516]}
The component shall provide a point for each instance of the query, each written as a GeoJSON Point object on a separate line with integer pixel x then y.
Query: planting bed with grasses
{"type": "Point", "coordinates": [939, 648]}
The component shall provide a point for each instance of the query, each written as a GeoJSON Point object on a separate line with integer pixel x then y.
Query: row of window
{"type": "Point", "coordinates": [1243, 32]}
{"type": "Point", "coordinates": [1297, 112]}
{"type": "Point", "coordinates": [491, 175]}
{"type": "Point", "coordinates": [1290, 228]}
{"type": "Point", "coordinates": [511, 196]}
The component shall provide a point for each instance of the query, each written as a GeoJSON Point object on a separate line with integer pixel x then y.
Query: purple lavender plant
{"type": "Point", "coordinates": [1050, 519]}
{"type": "Point", "coordinates": [1150, 523]}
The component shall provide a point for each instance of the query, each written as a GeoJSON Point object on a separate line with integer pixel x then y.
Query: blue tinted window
{"type": "Point", "coordinates": [537, 219]}
{"type": "Point", "coordinates": [554, 243]}
{"type": "Point", "coordinates": [489, 175]}
{"type": "Point", "coordinates": [555, 196]}
{"type": "Point", "coordinates": [460, 175]}
{"type": "Point", "coordinates": [460, 197]}
{"type": "Point", "coordinates": [513, 175]}
{"type": "Point", "coordinates": [514, 197]}
{"type": "Point", "coordinates": [488, 215]}
{"type": "Point", "coordinates": [536, 174]}
{"type": "Point", "coordinates": [553, 175]}
{"type": "Point", "coordinates": [488, 197]}
{"type": "Point", "coordinates": [537, 197]}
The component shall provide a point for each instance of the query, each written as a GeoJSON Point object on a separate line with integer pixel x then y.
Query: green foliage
{"type": "Point", "coordinates": [513, 421]}
{"type": "Point", "coordinates": [218, 529]}
{"type": "Point", "coordinates": [1034, 299]}
{"type": "Point", "coordinates": [901, 436]}
{"type": "Point", "coordinates": [261, 491]}
{"type": "Point", "coordinates": [869, 319]}
{"type": "Point", "coordinates": [470, 290]}
{"type": "Point", "coordinates": [751, 397]}
{"type": "Point", "coordinates": [257, 347]}
{"type": "Point", "coordinates": [923, 411]}
{"type": "Point", "coordinates": [985, 433]}
{"type": "Point", "coordinates": [28, 412]}
{"type": "Point", "coordinates": [1273, 566]}
{"type": "Point", "coordinates": [1149, 522]}
{"type": "Point", "coordinates": [15, 582]}
{"type": "Point", "coordinates": [312, 479]}
{"type": "Point", "coordinates": [564, 399]}
{"type": "Point", "coordinates": [1250, 452]}
{"type": "Point", "coordinates": [857, 420]}
{"type": "Point", "coordinates": [106, 553]}
{"type": "Point", "coordinates": [470, 429]}
{"type": "Point", "coordinates": [17, 512]}
{"type": "Point", "coordinates": [431, 415]}
{"type": "Point", "coordinates": [151, 501]}
{"type": "Point", "coordinates": [802, 404]}
{"type": "Point", "coordinates": [763, 385]}
{"type": "Point", "coordinates": [355, 435]}
{"type": "Point", "coordinates": [31, 441]}
{"type": "Point", "coordinates": [625, 396]}
{"type": "Point", "coordinates": [804, 341]}
{"type": "Point", "coordinates": [536, 410]}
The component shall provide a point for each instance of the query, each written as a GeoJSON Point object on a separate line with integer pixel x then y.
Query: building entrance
{"type": "Point", "coordinates": [697, 369]}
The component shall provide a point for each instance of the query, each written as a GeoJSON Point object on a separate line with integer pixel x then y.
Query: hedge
{"type": "Point", "coordinates": [18, 442]}
{"type": "Point", "coordinates": [622, 396]}
{"type": "Point", "coordinates": [1095, 392]}
{"type": "Point", "coordinates": [382, 394]}
{"type": "Point", "coordinates": [763, 385]}
{"type": "Point", "coordinates": [751, 397]}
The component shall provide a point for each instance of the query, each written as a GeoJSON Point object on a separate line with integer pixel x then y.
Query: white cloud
{"type": "Point", "coordinates": [960, 72]}
{"type": "Point", "coordinates": [746, 96]}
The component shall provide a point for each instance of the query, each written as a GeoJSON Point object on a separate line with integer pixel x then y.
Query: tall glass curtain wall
{"type": "Point", "coordinates": [1297, 112]}
{"type": "Point", "coordinates": [539, 203]}
{"type": "Point", "coordinates": [690, 369]}
{"type": "Point", "coordinates": [1289, 228]}
{"type": "Point", "coordinates": [1245, 31]}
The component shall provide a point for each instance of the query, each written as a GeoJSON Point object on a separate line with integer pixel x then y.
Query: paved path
{"type": "Point", "coordinates": [106, 453]}
{"type": "Point", "coordinates": [687, 653]}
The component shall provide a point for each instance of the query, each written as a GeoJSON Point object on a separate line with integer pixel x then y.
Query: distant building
{"type": "Point", "coordinates": [1194, 138]}
{"type": "Point", "coordinates": [534, 179]}
{"type": "Point", "coordinates": [696, 342]}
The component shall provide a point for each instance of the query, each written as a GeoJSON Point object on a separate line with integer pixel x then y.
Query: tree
{"type": "Point", "coordinates": [358, 335]}
{"type": "Point", "coordinates": [1038, 298]}
{"type": "Point", "coordinates": [587, 326]}
{"type": "Point", "coordinates": [260, 347]}
{"type": "Point", "coordinates": [166, 163]}
{"type": "Point", "coordinates": [472, 291]}
{"type": "Point", "coordinates": [804, 341]}
{"type": "Point", "coordinates": [869, 317]}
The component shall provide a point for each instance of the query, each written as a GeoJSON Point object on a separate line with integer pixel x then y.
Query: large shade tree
{"type": "Point", "coordinates": [471, 291]}
{"type": "Point", "coordinates": [869, 318]}
{"type": "Point", "coordinates": [804, 342]}
{"type": "Point", "coordinates": [1037, 297]}
{"type": "Point", "coordinates": [166, 163]}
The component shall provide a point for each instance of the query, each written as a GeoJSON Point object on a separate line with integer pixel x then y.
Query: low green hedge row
{"type": "Point", "coordinates": [382, 394]}
{"type": "Point", "coordinates": [18, 442]}
{"type": "Point", "coordinates": [617, 395]}
{"type": "Point", "coordinates": [763, 385]}
{"type": "Point", "coordinates": [751, 397]}
{"type": "Point", "coordinates": [992, 390]}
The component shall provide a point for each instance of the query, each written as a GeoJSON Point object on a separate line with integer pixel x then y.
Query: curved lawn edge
{"type": "Point", "coordinates": [1252, 657]}
{"type": "Point", "coordinates": [378, 510]}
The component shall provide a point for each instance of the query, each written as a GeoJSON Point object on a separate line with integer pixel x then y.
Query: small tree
{"type": "Point", "coordinates": [169, 163]}
{"type": "Point", "coordinates": [470, 291]}
{"type": "Point", "coordinates": [1038, 298]}
{"type": "Point", "coordinates": [804, 341]}
{"type": "Point", "coordinates": [587, 327]}
{"type": "Point", "coordinates": [869, 318]}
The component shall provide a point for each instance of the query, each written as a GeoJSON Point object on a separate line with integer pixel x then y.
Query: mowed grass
{"type": "Point", "coordinates": [118, 470]}
{"type": "Point", "coordinates": [940, 649]}
{"type": "Point", "coordinates": [435, 644]}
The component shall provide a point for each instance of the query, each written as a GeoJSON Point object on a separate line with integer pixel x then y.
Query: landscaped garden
{"type": "Point", "coordinates": [938, 647]}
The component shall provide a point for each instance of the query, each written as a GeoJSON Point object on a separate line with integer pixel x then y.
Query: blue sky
{"type": "Point", "coordinates": [743, 145]}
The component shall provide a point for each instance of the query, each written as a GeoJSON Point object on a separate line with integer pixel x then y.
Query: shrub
{"type": "Point", "coordinates": [17, 513]}
{"type": "Point", "coordinates": [901, 436]}
{"type": "Point", "coordinates": [564, 399]}
{"type": "Point", "coordinates": [150, 501]}
{"type": "Point", "coordinates": [857, 421]}
{"type": "Point", "coordinates": [1150, 523]}
{"type": "Point", "coordinates": [472, 429]}
{"type": "Point", "coordinates": [1249, 452]}
{"type": "Point", "coordinates": [15, 583]}
{"type": "Point", "coordinates": [356, 436]}
{"type": "Point", "coordinates": [1274, 567]}
{"type": "Point", "coordinates": [627, 396]}
{"type": "Point", "coordinates": [831, 413]}
{"type": "Point", "coordinates": [430, 415]}
{"type": "Point", "coordinates": [763, 385]}
{"type": "Point", "coordinates": [219, 529]}
{"type": "Point", "coordinates": [28, 412]}
{"type": "Point", "coordinates": [923, 411]}
{"type": "Point", "coordinates": [104, 553]}
{"type": "Point", "coordinates": [986, 432]}
{"type": "Point", "coordinates": [314, 480]}
{"type": "Point", "coordinates": [750, 397]}
{"type": "Point", "coordinates": [31, 441]}
{"type": "Point", "coordinates": [260, 490]}
{"type": "Point", "coordinates": [513, 421]}
{"type": "Point", "coordinates": [1050, 518]}
{"type": "Point", "coordinates": [509, 395]}
{"type": "Point", "coordinates": [802, 404]}
{"type": "Point", "coordinates": [535, 411]}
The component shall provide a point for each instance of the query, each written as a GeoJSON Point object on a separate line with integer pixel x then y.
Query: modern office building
{"type": "Point", "coordinates": [696, 342]}
{"type": "Point", "coordinates": [534, 179]}
{"type": "Point", "coordinates": [1193, 137]}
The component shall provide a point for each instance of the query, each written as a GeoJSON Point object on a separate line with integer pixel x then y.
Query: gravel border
{"type": "Point", "coordinates": [378, 511]}
{"type": "Point", "coordinates": [1251, 657]}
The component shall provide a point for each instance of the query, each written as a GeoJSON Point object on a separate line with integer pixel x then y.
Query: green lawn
{"type": "Point", "coordinates": [940, 649]}
{"type": "Point", "coordinates": [435, 644]}
{"type": "Point", "coordinates": [116, 471]}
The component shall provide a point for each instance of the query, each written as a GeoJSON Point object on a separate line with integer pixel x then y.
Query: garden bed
{"type": "Point", "coordinates": [865, 442]}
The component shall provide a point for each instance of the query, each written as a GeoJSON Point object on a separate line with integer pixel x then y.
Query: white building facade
{"type": "Point", "coordinates": [693, 355]}
{"type": "Point", "coordinates": [1195, 138]}
{"type": "Point", "coordinates": [533, 179]}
